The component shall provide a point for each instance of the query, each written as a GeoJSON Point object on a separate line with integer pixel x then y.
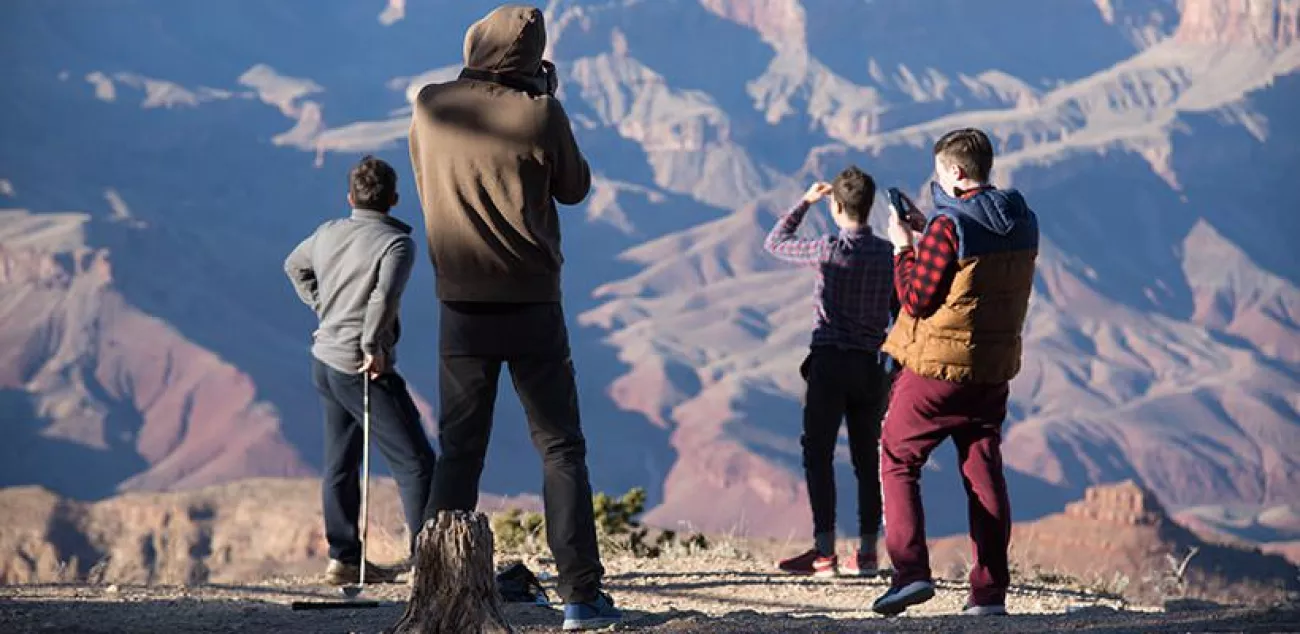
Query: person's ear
{"type": "Point", "coordinates": [351, 201]}
{"type": "Point", "coordinates": [395, 199]}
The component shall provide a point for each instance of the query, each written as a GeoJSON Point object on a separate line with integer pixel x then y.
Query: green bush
{"type": "Point", "coordinates": [617, 529]}
{"type": "Point", "coordinates": [516, 530]}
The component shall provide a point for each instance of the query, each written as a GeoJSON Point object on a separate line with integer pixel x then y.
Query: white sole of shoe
{"type": "Point", "coordinates": [589, 624]}
{"type": "Point", "coordinates": [869, 572]}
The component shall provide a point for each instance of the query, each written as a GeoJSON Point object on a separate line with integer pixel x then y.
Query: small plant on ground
{"type": "Point", "coordinates": [617, 528]}
{"type": "Point", "coordinates": [1174, 585]}
{"type": "Point", "coordinates": [519, 531]}
{"type": "Point", "coordinates": [99, 571]}
{"type": "Point", "coordinates": [1051, 578]}
{"type": "Point", "coordinates": [1112, 587]}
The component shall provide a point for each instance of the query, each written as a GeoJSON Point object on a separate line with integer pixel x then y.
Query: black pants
{"type": "Point", "coordinates": [533, 341]}
{"type": "Point", "coordinates": [395, 428]}
{"type": "Point", "coordinates": [852, 386]}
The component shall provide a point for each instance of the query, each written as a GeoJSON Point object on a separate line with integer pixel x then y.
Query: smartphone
{"type": "Point", "coordinates": [899, 202]}
{"type": "Point", "coordinates": [549, 79]}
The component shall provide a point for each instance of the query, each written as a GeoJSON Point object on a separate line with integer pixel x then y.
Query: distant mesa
{"type": "Point", "coordinates": [1125, 503]}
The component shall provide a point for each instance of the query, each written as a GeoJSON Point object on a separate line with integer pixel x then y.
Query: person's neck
{"type": "Point", "coordinates": [966, 186]}
{"type": "Point", "coordinates": [852, 227]}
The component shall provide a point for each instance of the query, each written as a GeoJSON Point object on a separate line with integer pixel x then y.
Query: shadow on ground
{"type": "Point", "coordinates": [128, 615]}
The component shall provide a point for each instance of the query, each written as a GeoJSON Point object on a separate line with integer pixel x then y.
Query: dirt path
{"type": "Point", "coordinates": [694, 596]}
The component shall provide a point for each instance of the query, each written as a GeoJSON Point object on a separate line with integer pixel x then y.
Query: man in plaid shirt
{"type": "Point", "coordinates": [843, 370]}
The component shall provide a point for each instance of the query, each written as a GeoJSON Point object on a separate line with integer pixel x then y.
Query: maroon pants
{"type": "Point", "coordinates": [922, 413]}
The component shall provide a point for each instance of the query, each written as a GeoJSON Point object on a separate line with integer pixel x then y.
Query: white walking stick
{"type": "Point", "coordinates": [353, 591]}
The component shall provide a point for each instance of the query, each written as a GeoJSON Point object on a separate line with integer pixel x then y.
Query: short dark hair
{"type": "Point", "coordinates": [969, 149]}
{"type": "Point", "coordinates": [373, 184]}
{"type": "Point", "coordinates": [854, 190]}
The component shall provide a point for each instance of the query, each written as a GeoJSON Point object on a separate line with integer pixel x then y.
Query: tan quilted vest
{"type": "Point", "coordinates": [974, 337]}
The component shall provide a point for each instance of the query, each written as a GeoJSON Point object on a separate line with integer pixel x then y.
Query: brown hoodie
{"type": "Point", "coordinates": [492, 154]}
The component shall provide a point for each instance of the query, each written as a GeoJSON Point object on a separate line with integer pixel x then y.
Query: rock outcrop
{"type": "Point", "coordinates": [92, 381]}
{"type": "Point", "coordinates": [242, 531]}
{"type": "Point", "coordinates": [1263, 22]}
{"type": "Point", "coordinates": [1120, 540]}
{"type": "Point", "coordinates": [1126, 504]}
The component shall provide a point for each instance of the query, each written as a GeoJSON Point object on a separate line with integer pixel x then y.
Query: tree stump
{"type": "Point", "coordinates": [454, 588]}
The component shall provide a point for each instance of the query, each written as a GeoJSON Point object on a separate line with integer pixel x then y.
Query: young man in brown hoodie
{"type": "Point", "coordinates": [493, 152]}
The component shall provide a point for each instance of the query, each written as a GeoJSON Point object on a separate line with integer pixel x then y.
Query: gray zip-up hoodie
{"type": "Point", "coordinates": [351, 272]}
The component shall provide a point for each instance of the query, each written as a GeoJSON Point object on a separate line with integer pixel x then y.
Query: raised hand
{"type": "Point", "coordinates": [816, 192]}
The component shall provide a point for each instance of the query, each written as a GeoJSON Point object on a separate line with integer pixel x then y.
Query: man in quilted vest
{"type": "Point", "coordinates": [964, 283]}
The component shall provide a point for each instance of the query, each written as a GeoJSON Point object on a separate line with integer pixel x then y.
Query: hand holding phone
{"type": "Point", "coordinates": [550, 78]}
{"type": "Point", "coordinates": [905, 209]}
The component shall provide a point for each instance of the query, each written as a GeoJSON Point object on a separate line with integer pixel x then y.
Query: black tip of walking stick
{"type": "Point", "coordinates": [333, 605]}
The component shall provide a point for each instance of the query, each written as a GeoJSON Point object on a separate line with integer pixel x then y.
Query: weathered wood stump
{"type": "Point", "coordinates": [454, 588]}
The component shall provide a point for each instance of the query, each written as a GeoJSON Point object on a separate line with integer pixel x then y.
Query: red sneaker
{"type": "Point", "coordinates": [861, 565]}
{"type": "Point", "coordinates": [810, 563]}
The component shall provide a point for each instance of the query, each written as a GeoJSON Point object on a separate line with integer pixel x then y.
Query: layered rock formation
{"type": "Point", "coordinates": [164, 350]}
{"type": "Point", "coordinates": [244, 531]}
{"type": "Point", "coordinates": [112, 397]}
{"type": "Point", "coordinates": [1119, 539]}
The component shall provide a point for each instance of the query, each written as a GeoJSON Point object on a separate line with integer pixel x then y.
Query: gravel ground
{"type": "Point", "coordinates": [704, 594]}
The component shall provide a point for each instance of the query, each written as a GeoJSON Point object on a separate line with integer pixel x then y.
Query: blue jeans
{"type": "Point", "coordinates": [395, 430]}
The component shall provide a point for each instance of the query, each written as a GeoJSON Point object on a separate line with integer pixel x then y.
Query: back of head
{"type": "Point", "coordinates": [855, 191]}
{"type": "Point", "coordinates": [510, 40]}
{"type": "Point", "coordinates": [968, 149]}
{"type": "Point", "coordinates": [372, 184]}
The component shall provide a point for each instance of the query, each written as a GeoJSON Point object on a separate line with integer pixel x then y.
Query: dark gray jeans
{"type": "Point", "coordinates": [533, 341]}
{"type": "Point", "coordinates": [852, 387]}
{"type": "Point", "coordinates": [395, 430]}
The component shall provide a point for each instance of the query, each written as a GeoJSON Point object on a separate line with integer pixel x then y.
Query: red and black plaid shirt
{"type": "Point", "coordinates": [852, 284]}
{"type": "Point", "coordinates": [922, 275]}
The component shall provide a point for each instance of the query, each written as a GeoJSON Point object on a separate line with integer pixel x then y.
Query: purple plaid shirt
{"type": "Point", "coordinates": [854, 287]}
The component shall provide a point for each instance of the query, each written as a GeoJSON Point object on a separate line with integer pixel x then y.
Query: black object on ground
{"type": "Point", "coordinates": [333, 605]}
{"type": "Point", "coordinates": [518, 584]}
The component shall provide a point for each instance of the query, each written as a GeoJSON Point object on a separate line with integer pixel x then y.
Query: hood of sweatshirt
{"type": "Point", "coordinates": [998, 210]}
{"type": "Point", "coordinates": [509, 41]}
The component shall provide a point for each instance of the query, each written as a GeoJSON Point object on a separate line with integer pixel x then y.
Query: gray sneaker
{"type": "Point", "coordinates": [899, 598]}
{"type": "Point", "coordinates": [338, 573]}
{"type": "Point", "coordinates": [984, 610]}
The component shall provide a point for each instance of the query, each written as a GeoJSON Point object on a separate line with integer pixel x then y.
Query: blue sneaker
{"type": "Point", "coordinates": [591, 616]}
{"type": "Point", "coordinates": [899, 598]}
